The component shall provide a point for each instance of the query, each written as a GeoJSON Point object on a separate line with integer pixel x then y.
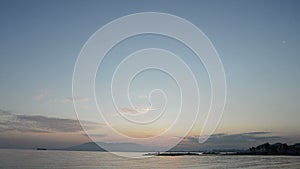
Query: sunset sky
{"type": "Point", "coordinates": [257, 41]}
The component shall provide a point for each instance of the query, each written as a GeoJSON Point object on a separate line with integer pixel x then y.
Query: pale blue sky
{"type": "Point", "coordinates": [258, 43]}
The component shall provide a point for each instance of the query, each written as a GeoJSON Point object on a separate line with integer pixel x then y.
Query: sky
{"type": "Point", "coordinates": [257, 42]}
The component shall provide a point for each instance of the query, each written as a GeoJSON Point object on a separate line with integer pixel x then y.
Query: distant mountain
{"type": "Point", "coordinates": [121, 147]}
{"type": "Point", "coordinates": [90, 146]}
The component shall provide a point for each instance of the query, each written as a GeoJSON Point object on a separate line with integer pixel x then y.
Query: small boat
{"type": "Point", "coordinates": [41, 149]}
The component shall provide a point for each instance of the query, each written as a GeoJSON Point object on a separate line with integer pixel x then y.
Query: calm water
{"type": "Point", "coordinates": [71, 159]}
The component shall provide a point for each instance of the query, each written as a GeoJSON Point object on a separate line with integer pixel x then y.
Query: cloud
{"type": "Point", "coordinates": [43, 124]}
{"type": "Point", "coordinates": [75, 99]}
{"type": "Point", "coordinates": [136, 110]}
{"type": "Point", "coordinates": [257, 133]}
{"type": "Point", "coordinates": [95, 135]}
{"type": "Point", "coordinates": [228, 141]}
{"type": "Point", "coordinates": [142, 97]}
{"type": "Point", "coordinates": [41, 94]}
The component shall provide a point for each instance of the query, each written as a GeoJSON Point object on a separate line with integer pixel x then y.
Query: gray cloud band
{"type": "Point", "coordinates": [26, 123]}
{"type": "Point", "coordinates": [103, 40]}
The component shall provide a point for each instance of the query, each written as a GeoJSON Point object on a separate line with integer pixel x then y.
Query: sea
{"type": "Point", "coordinates": [34, 159]}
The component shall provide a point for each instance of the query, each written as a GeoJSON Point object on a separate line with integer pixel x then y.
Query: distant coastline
{"type": "Point", "coordinates": [273, 149]}
{"type": "Point", "coordinates": [263, 149]}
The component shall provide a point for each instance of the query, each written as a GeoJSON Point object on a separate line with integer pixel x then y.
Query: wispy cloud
{"type": "Point", "coordinates": [136, 110]}
{"type": "Point", "coordinates": [95, 135]}
{"type": "Point", "coordinates": [41, 94]}
{"type": "Point", "coordinates": [26, 123]}
{"type": "Point", "coordinates": [143, 96]}
{"type": "Point", "coordinates": [257, 133]}
{"type": "Point", "coordinates": [75, 99]}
